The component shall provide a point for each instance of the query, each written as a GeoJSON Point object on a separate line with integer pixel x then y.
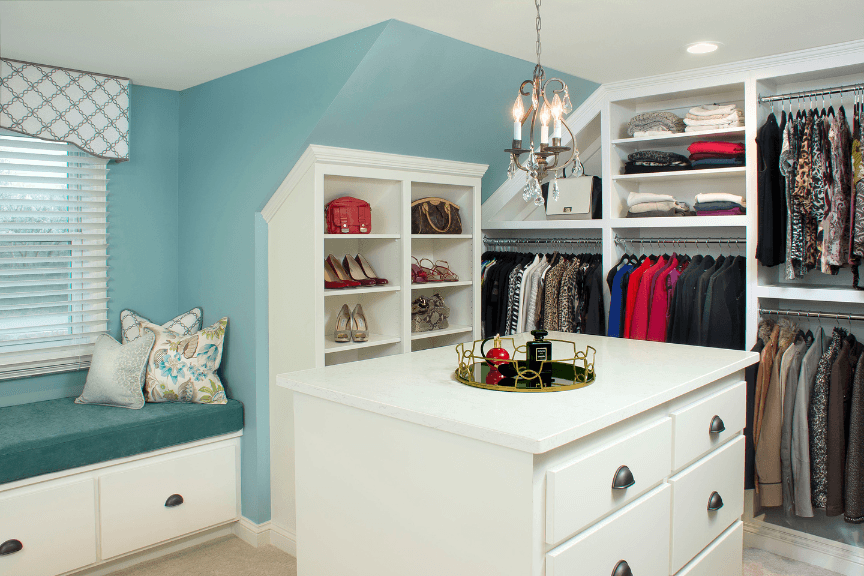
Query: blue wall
{"type": "Point", "coordinates": [143, 251]}
{"type": "Point", "coordinates": [392, 87]}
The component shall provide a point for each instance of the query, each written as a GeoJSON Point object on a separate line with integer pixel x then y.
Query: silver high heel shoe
{"type": "Point", "coordinates": [343, 325]}
{"type": "Point", "coordinates": [359, 327]}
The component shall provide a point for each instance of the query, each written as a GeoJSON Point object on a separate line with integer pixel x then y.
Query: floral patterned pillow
{"type": "Point", "coordinates": [183, 368]}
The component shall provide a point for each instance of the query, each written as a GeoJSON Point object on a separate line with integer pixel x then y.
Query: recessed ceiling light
{"type": "Point", "coordinates": [702, 47]}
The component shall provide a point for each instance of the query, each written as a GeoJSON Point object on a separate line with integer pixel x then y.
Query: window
{"type": "Point", "coordinates": [53, 256]}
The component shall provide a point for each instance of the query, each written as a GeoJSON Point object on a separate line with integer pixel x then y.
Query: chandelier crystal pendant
{"type": "Point", "coordinates": [543, 159]}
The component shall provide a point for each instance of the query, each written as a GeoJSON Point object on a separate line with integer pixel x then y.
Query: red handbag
{"type": "Point", "coordinates": [348, 215]}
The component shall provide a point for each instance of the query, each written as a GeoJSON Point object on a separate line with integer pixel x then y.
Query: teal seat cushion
{"type": "Point", "coordinates": [46, 437]}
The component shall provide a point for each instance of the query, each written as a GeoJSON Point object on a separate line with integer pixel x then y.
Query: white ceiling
{"type": "Point", "coordinates": [178, 44]}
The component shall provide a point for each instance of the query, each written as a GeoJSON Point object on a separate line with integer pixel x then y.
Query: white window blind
{"type": "Point", "coordinates": [53, 256]}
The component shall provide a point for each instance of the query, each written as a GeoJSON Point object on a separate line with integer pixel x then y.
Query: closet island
{"type": "Point", "coordinates": [400, 469]}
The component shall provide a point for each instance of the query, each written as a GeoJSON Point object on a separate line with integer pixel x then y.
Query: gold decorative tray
{"type": "Point", "coordinates": [570, 373]}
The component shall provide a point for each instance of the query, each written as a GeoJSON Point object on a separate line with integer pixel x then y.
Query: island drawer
{"type": "Point", "coordinates": [624, 536]}
{"type": "Point", "coordinates": [706, 499]}
{"type": "Point", "coordinates": [707, 423]}
{"type": "Point", "coordinates": [581, 491]}
{"type": "Point", "coordinates": [723, 556]}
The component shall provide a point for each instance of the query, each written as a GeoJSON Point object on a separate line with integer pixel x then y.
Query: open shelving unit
{"type": "Point", "coordinates": [301, 335]}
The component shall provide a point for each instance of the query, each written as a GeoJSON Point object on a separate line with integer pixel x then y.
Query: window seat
{"type": "Point", "coordinates": [56, 435]}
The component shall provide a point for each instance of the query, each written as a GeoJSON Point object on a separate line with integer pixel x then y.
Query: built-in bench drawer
{"type": "Point", "coordinates": [707, 498]}
{"type": "Point", "coordinates": [154, 502]}
{"type": "Point", "coordinates": [580, 492]}
{"type": "Point", "coordinates": [48, 530]}
{"type": "Point", "coordinates": [637, 535]}
{"type": "Point", "coordinates": [704, 425]}
{"type": "Point", "coordinates": [723, 556]}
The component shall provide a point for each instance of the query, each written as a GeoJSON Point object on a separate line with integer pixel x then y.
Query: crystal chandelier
{"type": "Point", "coordinates": [542, 159]}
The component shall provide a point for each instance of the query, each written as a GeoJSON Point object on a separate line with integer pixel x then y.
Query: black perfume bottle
{"type": "Point", "coordinates": [540, 356]}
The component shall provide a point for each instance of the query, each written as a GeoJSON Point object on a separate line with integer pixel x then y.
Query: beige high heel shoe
{"type": "Point", "coordinates": [343, 325]}
{"type": "Point", "coordinates": [359, 327]}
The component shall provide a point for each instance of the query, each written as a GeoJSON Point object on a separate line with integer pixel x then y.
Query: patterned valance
{"type": "Point", "coordinates": [88, 110]}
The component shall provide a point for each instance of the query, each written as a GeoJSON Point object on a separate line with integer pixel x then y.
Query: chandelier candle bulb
{"type": "Point", "coordinates": [518, 112]}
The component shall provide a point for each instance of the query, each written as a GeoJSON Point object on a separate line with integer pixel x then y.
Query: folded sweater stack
{"type": "Point", "coordinates": [648, 205]}
{"type": "Point", "coordinates": [716, 154]}
{"type": "Point", "coordinates": [713, 117]}
{"type": "Point", "coordinates": [655, 124]}
{"type": "Point", "coordinates": [646, 161]}
{"type": "Point", "coordinates": [720, 204]}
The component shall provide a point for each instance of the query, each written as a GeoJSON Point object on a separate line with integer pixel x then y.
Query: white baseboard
{"type": "Point", "coordinates": [283, 539]}
{"type": "Point", "coordinates": [836, 556]}
{"type": "Point", "coordinates": [251, 533]}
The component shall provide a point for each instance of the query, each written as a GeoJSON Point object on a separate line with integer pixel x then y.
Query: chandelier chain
{"type": "Point", "coordinates": [537, 5]}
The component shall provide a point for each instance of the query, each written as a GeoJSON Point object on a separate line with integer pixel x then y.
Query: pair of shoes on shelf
{"type": "Point", "coordinates": [438, 271]}
{"type": "Point", "coordinates": [352, 272]}
{"type": "Point", "coordinates": [351, 325]}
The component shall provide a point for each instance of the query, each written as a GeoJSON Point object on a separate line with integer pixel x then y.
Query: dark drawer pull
{"type": "Point", "coordinates": [622, 569]}
{"type": "Point", "coordinates": [623, 479]}
{"type": "Point", "coordinates": [717, 425]}
{"type": "Point", "coordinates": [10, 547]}
{"type": "Point", "coordinates": [715, 502]}
{"type": "Point", "coordinates": [173, 500]}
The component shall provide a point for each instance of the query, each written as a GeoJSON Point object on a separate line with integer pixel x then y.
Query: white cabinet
{"type": "Point", "coordinates": [477, 482]}
{"type": "Point", "coordinates": [86, 516]}
{"type": "Point", "coordinates": [55, 527]}
{"type": "Point", "coordinates": [723, 556]}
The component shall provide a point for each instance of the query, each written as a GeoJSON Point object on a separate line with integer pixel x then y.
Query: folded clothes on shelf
{"type": "Point", "coordinates": [655, 122]}
{"type": "Point", "coordinates": [704, 206]}
{"type": "Point", "coordinates": [737, 211]}
{"type": "Point", "coordinates": [646, 161]}
{"type": "Point", "coordinates": [713, 117]}
{"type": "Point", "coordinates": [718, 163]}
{"type": "Point", "coordinates": [713, 147]}
{"type": "Point", "coordinates": [648, 205]}
{"type": "Point", "coordinates": [719, 197]}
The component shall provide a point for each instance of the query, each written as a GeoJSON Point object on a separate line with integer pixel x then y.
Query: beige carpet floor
{"type": "Point", "coordinates": [233, 557]}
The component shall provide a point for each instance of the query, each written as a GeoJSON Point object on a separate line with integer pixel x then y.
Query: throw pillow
{"type": "Point", "coordinates": [116, 373]}
{"type": "Point", "coordinates": [183, 368]}
{"type": "Point", "coordinates": [185, 324]}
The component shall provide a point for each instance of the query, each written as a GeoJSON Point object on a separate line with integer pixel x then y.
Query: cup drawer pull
{"type": "Point", "coordinates": [623, 479]}
{"type": "Point", "coordinates": [717, 425]}
{"type": "Point", "coordinates": [622, 569]}
{"type": "Point", "coordinates": [174, 500]}
{"type": "Point", "coordinates": [10, 547]}
{"type": "Point", "coordinates": [715, 502]}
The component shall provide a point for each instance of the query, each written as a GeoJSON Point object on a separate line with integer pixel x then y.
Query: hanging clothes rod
{"type": "Point", "coordinates": [806, 314]}
{"type": "Point", "coordinates": [516, 241]}
{"type": "Point", "coordinates": [620, 241]}
{"type": "Point", "coordinates": [812, 93]}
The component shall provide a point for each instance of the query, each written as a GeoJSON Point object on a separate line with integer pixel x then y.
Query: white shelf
{"type": "Point", "coordinates": [546, 225]}
{"type": "Point", "coordinates": [436, 285]}
{"type": "Point", "coordinates": [445, 332]}
{"type": "Point", "coordinates": [361, 290]}
{"type": "Point", "coordinates": [681, 222]}
{"type": "Point", "coordinates": [331, 346]}
{"type": "Point", "coordinates": [681, 175]}
{"type": "Point", "coordinates": [442, 236]}
{"type": "Point", "coordinates": [814, 294]}
{"type": "Point", "coordinates": [362, 236]}
{"type": "Point", "coordinates": [682, 138]}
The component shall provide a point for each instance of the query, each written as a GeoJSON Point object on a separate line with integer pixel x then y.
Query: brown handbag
{"type": "Point", "coordinates": [435, 216]}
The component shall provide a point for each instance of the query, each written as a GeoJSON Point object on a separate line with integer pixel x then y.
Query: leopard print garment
{"type": "Point", "coordinates": [801, 194]}
{"type": "Point", "coordinates": [837, 243]}
{"type": "Point", "coordinates": [857, 236]}
{"type": "Point", "coordinates": [818, 421]}
{"type": "Point", "coordinates": [566, 319]}
{"type": "Point", "coordinates": [553, 286]}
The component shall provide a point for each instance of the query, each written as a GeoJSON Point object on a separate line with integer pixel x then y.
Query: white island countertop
{"type": "Point", "coordinates": [632, 377]}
